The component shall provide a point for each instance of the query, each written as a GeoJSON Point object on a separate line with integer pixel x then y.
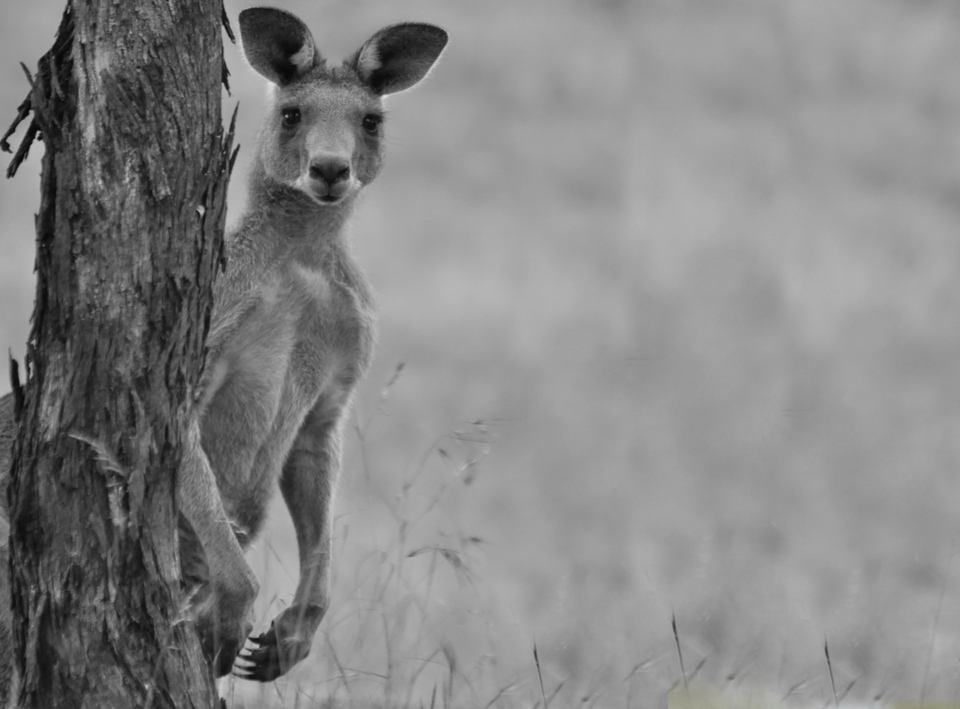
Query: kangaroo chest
{"type": "Point", "coordinates": [301, 345]}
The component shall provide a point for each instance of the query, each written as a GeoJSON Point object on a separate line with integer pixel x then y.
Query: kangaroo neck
{"type": "Point", "coordinates": [294, 216]}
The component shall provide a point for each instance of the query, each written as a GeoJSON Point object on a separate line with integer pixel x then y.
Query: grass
{"type": "Point", "coordinates": [416, 580]}
{"type": "Point", "coordinates": [415, 621]}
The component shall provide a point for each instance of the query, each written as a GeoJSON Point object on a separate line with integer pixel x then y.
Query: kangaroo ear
{"type": "Point", "coordinates": [277, 44]}
{"type": "Point", "coordinates": [399, 56]}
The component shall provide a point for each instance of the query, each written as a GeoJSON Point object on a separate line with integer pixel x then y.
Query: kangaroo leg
{"type": "Point", "coordinates": [307, 484]}
{"type": "Point", "coordinates": [224, 619]}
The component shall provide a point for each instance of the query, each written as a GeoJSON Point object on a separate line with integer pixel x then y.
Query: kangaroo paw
{"type": "Point", "coordinates": [286, 643]}
{"type": "Point", "coordinates": [224, 622]}
{"type": "Point", "coordinates": [262, 663]}
{"type": "Point", "coordinates": [222, 640]}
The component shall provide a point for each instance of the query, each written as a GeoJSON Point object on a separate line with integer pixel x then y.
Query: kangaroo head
{"type": "Point", "coordinates": [323, 132]}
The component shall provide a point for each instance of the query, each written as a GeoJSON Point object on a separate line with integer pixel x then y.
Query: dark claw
{"type": "Point", "coordinates": [264, 660]}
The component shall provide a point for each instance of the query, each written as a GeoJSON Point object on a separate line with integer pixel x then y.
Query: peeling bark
{"type": "Point", "coordinates": [129, 240]}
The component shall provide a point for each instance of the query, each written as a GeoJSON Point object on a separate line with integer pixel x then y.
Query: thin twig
{"type": "Point", "coordinates": [536, 660]}
{"type": "Point", "coordinates": [676, 639]}
{"type": "Point", "coordinates": [833, 684]}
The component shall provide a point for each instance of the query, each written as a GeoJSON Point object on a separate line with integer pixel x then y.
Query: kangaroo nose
{"type": "Point", "coordinates": [330, 170]}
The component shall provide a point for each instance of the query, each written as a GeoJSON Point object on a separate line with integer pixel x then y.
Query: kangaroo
{"type": "Point", "coordinates": [291, 334]}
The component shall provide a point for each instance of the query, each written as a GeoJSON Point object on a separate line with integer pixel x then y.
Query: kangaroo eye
{"type": "Point", "coordinates": [290, 117]}
{"type": "Point", "coordinates": [371, 123]}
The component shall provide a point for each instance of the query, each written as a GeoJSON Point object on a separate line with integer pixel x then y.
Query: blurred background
{"type": "Point", "coordinates": [674, 286]}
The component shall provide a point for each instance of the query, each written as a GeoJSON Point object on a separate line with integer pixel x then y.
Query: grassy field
{"type": "Point", "coordinates": [675, 285]}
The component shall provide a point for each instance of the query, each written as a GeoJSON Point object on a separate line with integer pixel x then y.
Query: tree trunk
{"type": "Point", "coordinates": [129, 239]}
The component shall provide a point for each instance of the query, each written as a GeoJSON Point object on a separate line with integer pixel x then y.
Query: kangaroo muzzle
{"type": "Point", "coordinates": [329, 178]}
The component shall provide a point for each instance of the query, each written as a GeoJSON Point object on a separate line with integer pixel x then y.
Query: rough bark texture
{"type": "Point", "coordinates": [129, 238]}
